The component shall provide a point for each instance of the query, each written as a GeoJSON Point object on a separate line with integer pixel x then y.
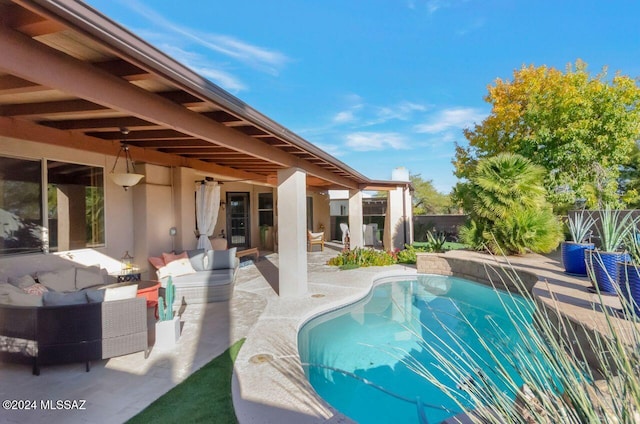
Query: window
{"type": "Point", "coordinates": [74, 205]}
{"type": "Point", "coordinates": [75, 195]}
{"type": "Point", "coordinates": [265, 209]}
{"type": "Point", "coordinates": [21, 208]}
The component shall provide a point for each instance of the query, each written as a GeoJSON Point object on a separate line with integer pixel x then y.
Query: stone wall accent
{"type": "Point", "coordinates": [491, 274]}
{"type": "Point", "coordinates": [505, 276]}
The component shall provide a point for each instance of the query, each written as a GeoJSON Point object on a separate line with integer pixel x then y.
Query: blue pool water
{"type": "Point", "coordinates": [365, 340]}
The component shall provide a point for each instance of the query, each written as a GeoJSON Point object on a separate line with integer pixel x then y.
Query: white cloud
{"type": "Point", "coordinates": [344, 117]}
{"type": "Point", "coordinates": [332, 149]}
{"type": "Point", "coordinates": [401, 111]}
{"type": "Point", "coordinates": [259, 57]}
{"type": "Point", "coordinates": [203, 67]}
{"type": "Point", "coordinates": [368, 141]}
{"type": "Point", "coordinates": [454, 118]}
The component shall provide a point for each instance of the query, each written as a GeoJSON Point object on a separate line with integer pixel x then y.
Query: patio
{"type": "Point", "coordinates": [269, 385]}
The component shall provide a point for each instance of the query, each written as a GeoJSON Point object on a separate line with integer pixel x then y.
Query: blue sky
{"type": "Point", "coordinates": [381, 83]}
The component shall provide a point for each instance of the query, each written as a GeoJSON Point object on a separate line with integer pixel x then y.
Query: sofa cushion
{"type": "Point", "coordinates": [52, 298]}
{"type": "Point", "coordinates": [36, 289]}
{"type": "Point", "coordinates": [218, 277]}
{"type": "Point", "coordinates": [176, 268]}
{"type": "Point", "coordinates": [157, 262]}
{"type": "Point", "coordinates": [119, 293]}
{"type": "Point", "coordinates": [170, 257]}
{"type": "Point", "coordinates": [88, 277]}
{"type": "Point", "coordinates": [221, 259]}
{"type": "Point", "coordinates": [95, 295]}
{"type": "Point", "coordinates": [24, 299]}
{"type": "Point", "coordinates": [12, 295]}
{"type": "Point", "coordinates": [63, 280]}
{"type": "Point", "coordinates": [197, 259]}
{"type": "Point", "coordinates": [22, 282]}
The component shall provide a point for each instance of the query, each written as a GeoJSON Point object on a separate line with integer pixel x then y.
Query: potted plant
{"type": "Point", "coordinates": [629, 275]}
{"type": "Point", "coordinates": [573, 251]}
{"type": "Point", "coordinates": [168, 326]}
{"type": "Point", "coordinates": [603, 261]}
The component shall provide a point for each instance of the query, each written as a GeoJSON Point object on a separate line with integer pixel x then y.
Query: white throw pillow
{"type": "Point", "coordinates": [119, 293]}
{"type": "Point", "coordinates": [176, 268]}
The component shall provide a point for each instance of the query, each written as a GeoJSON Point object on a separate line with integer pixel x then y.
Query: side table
{"type": "Point", "coordinates": [125, 278]}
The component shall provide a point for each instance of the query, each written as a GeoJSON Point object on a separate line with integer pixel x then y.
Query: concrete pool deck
{"type": "Point", "coordinates": [269, 385]}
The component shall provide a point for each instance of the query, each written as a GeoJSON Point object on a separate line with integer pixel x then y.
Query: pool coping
{"type": "Point", "coordinates": [269, 384]}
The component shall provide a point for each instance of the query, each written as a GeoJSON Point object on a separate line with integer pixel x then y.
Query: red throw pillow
{"type": "Point", "coordinates": [170, 257]}
{"type": "Point", "coordinates": [157, 262]}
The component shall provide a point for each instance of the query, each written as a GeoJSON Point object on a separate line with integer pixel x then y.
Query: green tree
{"type": "Point", "coordinates": [426, 199]}
{"type": "Point", "coordinates": [629, 183]}
{"type": "Point", "coordinates": [578, 127]}
{"type": "Point", "coordinates": [505, 200]}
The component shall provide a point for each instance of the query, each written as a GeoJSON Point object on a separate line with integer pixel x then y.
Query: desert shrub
{"type": "Point", "coordinates": [364, 257]}
{"type": "Point", "coordinates": [525, 230]}
{"type": "Point", "coordinates": [408, 254]}
{"type": "Point", "coordinates": [471, 234]}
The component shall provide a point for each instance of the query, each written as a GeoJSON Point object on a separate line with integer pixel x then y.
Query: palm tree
{"type": "Point", "coordinates": [505, 199]}
{"type": "Point", "coordinates": [504, 182]}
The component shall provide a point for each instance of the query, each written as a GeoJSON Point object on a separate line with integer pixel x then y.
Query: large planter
{"type": "Point", "coordinates": [167, 333]}
{"type": "Point", "coordinates": [604, 267]}
{"type": "Point", "coordinates": [573, 257]}
{"type": "Point", "coordinates": [629, 282]}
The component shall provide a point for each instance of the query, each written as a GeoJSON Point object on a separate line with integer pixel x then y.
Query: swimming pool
{"type": "Point", "coordinates": [355, 357]}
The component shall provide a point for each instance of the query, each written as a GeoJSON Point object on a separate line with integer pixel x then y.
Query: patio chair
{"type": "Point", "coordinates": [315, 238]}
{"type": "Point", "coordinates": [345, 232]}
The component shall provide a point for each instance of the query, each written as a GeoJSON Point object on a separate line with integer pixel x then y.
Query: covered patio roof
{"type": "Point", "coordinates": [72, 77]}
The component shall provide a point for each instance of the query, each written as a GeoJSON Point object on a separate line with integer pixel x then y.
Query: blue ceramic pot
{"type": "Point", "coordinates": [573, 257]}
{"type": "Point", "coordinates": [629, 282]}
{"type": "Point", "coordinates": [605, 269]}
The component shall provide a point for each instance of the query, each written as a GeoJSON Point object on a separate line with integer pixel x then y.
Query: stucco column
{"type": "Point", "coordinates": [355, 219]}
{"type": "Point", "coordinates": [292, 232]}
{"type": "Point", "coordinates": [395, 225]}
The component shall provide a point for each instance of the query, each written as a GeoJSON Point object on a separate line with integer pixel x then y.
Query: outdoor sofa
{"type": "Point", "coordinates": [199, 276]}
{"type": "Point", "coordinates": [92, 322]}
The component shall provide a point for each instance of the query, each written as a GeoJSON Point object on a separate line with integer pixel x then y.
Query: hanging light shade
{"type": "Point", "coordinates": [129, 178]}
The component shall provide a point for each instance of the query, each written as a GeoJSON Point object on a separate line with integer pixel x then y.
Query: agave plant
{"type": "Point", "coordinates": [615, 229]}
{"type": "Point", "coordinates": [580, 226]}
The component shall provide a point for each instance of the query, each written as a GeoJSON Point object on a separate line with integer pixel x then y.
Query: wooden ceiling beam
{"type": "Point", "coordinates": [36, 62]}
{"type": "Point", "coordinates": [23, 130]}
{"type": "Point", "coordinates": [142, 135]}
{"type": "Point", "coordinates": [161, 144]}
{"type": "Point", "coordinates": [217, 150]}
{"type": "Point", "coordinates": [50, 108]}
{"type": "Point", "coordinates": [99, 124]}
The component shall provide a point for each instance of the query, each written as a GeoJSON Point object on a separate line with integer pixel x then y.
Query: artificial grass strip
{"type": "Point", "coordinates": [204, 397]}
